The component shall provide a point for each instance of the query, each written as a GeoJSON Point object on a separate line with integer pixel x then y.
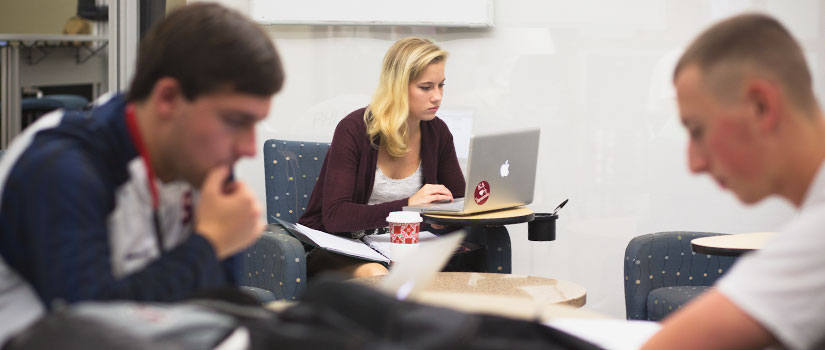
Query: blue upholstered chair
{"type": "Point", "coordinates": [69, 102]}
{"type": "Point", "coordinates": [274, 267]}
{"type": "Point", "coordinates": [33, 108]}
{"type": "Point", "coordinates": [275, 264]}
{"type": "Point", "coordinates": [291, 169]}
{"type": "Point", "coordinates": [662, 273]}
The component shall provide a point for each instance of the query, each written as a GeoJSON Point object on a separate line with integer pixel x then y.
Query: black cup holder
{"type": "Point", "coordinates": [542, 228]}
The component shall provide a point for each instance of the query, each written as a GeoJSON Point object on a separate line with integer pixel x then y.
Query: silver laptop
{"type": "Point", "coordinates": [501, 174]}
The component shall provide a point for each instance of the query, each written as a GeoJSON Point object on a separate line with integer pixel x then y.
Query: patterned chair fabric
{"type": "Point", "coordinates": [662, 301]}
{"type": "Point", "coordinates": [274, 266]}
{"type": "Point", "coordinates": [291, 169]}
{"type": "Point", "coordinates": [662, 273]}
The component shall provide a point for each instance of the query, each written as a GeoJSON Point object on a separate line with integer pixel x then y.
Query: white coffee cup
{"type": "Point", "coordinates": [404, 227]}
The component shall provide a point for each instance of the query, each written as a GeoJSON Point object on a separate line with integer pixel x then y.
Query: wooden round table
{"type": "Point", "coordinates": [539, 290]}
{"type": "Point", "coordinates": [519, 307]}
{"type": "Point", "coordinates": [507, 306]}
{"type": "Point", "coordinates": [492, 223]}
{"type": "Point", "coordinates": [731, 245]}
{"type": "Point", "coordinates": [492, 218]}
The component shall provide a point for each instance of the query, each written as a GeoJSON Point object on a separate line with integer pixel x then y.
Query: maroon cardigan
{"type": "Point", "coordinates": [338, 203]}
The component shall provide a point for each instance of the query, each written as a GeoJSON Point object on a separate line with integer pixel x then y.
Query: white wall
{"type": "Point", "coordinates": [595, 76]}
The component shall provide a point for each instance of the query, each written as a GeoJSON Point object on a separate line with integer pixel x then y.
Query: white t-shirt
{"type": "Point", "coordinates": [782, 286]}
{"type": "Point", "coordinates": [386, 189]}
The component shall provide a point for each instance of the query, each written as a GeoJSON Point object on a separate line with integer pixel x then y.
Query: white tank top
{"type": "Point", "coordinates": [386, 189]}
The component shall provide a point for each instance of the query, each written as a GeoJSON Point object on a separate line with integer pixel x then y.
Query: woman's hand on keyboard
{"type": "Point", "coordinates": [430, 193]}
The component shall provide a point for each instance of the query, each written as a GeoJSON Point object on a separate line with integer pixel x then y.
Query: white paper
{"type": "Point", "coordinates": [381, 243]}
{"type": "Point", "coordinates": [611, 334]}
{"type": "Point", "coordinates": [338, 244]}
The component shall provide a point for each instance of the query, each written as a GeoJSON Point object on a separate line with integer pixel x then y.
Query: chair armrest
{"type": "Point", "coordinates": [262, 295]}
{"type": "Point", "coordinates": [276, 263]}
{"type": "Point", "coordinates": [665, 259]}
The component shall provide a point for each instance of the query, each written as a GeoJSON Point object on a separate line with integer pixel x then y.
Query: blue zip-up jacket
{"type": "Point", "coordinates": [76, 215]}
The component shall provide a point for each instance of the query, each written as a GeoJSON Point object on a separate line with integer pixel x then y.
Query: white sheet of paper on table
{"type": "Point", "coordinates": [614, 334]}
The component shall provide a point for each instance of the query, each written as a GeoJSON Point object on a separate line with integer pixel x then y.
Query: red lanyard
{"type": "Point", "coordinates": [137, 139]}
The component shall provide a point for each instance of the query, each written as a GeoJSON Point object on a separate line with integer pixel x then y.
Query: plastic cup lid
{"type": "Point", "coordinates": [404, 217]}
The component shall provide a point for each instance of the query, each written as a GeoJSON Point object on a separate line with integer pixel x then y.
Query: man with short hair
{"type": "Point", "coordinates": [134, 199]}
{"type": "Point", "coordinates": [745, 97]}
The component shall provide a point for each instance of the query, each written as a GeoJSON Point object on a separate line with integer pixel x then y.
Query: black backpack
{"type": "Point", "coordinates": [345, 315]}
{"type": "Point", "coordinates": [331, 314]}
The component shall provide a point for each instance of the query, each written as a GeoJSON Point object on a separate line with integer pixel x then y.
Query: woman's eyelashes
{"type": "Point", "coordinates": [427, 87]}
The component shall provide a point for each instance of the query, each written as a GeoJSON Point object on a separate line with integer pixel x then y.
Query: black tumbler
{"type": "Point", "coordinates": [543, 227]}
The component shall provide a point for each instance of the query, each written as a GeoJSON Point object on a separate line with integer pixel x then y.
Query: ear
{"type": "Point", "coordinates": [166, 96]}
{"type": "Point", "coordinates": [764, 99]}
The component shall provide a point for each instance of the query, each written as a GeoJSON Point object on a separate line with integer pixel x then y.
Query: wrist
{"type": "Point", "coordinates": [213, 242]}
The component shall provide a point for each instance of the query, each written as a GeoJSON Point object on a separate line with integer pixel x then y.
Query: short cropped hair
{"type": "Point", "coordinates": [207, 47]}
{"type": "Point", "coordinates": [386, 115]}
{"type": "Point", "coordinates": [750, 43]}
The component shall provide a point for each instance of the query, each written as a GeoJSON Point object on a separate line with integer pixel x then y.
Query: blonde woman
{"type": "Point", "coordinates": [392, 153]}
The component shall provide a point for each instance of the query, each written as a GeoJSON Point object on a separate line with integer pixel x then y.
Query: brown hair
{"type": "Point", "coordinates": [207, 47]}
{"type": "Point", "coordinates": [750, 43]}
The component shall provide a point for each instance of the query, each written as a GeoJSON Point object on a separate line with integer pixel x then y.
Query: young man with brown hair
{"type": "Point", "coordinates": [745, 97]}
{"type": "Point", "coordinates": [134, 199]}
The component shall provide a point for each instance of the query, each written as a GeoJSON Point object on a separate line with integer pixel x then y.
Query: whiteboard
{"type": "Point", "coordinates": [451, 13]}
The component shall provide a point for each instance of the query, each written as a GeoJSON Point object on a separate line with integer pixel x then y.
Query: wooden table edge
{"type": "Point", "coordinates": [701, 249]}
{"type": "Point", "coordinates": [474, 219]}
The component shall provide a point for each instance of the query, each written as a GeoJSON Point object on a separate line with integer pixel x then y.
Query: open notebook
{"type": "Point", "coordinates": [369, 247]}
{"type": "Point", "coordinates": [409, 274]}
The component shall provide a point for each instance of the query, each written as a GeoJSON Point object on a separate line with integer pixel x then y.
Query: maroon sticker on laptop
{"type": "Point", "coordinates": [482, 192]}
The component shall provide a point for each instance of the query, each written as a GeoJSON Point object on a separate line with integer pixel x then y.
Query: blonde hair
{"type": "Point", "coordinates": [386, 115]}
{"type": "Point", "coordinates": [750, 43]}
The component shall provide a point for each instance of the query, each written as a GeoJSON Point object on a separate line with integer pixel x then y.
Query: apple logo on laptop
{"type": "Point", "coordinates": [505, 168]}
